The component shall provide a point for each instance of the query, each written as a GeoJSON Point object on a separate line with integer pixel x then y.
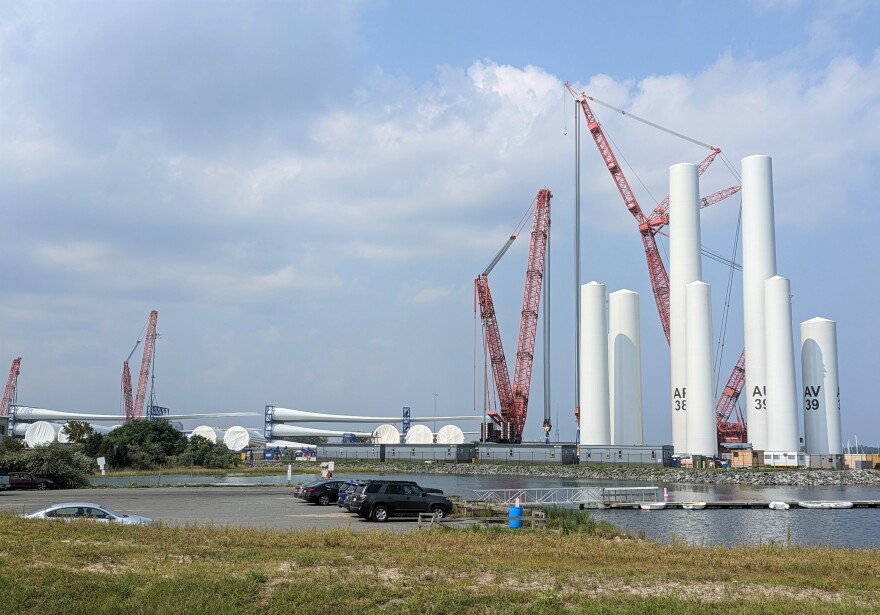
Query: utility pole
{"type": "Point", "coordinates": [577, 273]}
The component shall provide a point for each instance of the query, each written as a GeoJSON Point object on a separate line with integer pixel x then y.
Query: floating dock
{"type": "Point", "coordinates": [720, 505]}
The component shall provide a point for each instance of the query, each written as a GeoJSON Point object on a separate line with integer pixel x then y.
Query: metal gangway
{"type": "Point", "coordinates": [584, 497]}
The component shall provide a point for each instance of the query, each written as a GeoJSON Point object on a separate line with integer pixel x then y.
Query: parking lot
{"type": "Point", "coordinates": [257, 507]}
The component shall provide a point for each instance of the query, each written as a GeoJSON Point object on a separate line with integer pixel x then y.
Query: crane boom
{"type": "Point", "coordinates": [493, 343]}
{"type": "Point", "coordinates": [726, 407]}
{"type": "Point", "coordinates": [11, 383]}
{"type": "Point", "coordinates": [127, 403]}
{"type": "Point", "coordinates": [528, 323]}
{"type": "Point", "coordinates": [146, 361]}
{"type": "Point", "coordinates": [649, 226]}
{"type": "Point", "coordinates": [514, 400]}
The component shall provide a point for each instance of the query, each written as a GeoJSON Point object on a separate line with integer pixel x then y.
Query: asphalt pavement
{"type": "Point", "coordinates": [255, 507]}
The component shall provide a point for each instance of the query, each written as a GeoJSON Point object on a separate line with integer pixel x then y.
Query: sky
{"type": "Point", "coordinates": [305, 191]}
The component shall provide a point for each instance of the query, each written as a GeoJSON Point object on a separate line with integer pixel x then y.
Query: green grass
{"type": "Point", "coordinates": [50, 568]}
{"type": "Point", "coordinates": [570, 521]}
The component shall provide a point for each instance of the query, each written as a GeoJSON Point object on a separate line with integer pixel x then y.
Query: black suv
{"type": "Point", "coordinates": [381, 499]}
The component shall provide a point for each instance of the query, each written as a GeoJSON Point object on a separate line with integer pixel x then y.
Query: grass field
{"type": "Point", "coordinates": [582, 567]}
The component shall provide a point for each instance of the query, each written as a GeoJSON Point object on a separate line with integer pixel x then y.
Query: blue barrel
{"type": "Point", "coordinates": [515, 515]}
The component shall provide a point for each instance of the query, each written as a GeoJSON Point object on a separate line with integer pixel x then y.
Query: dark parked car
{"type": "Point", "coordinates": [23, 480]}
{"type": "Point", "coordinates": [301, 489]}
{"type": "Point", "coordinates": [380, 500]}
{"type": "Point", "coordinates": [321, 492]}
{"type": "Point", "coordinates": [346, 491]}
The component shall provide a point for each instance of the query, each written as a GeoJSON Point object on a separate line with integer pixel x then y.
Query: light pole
{"type": "Point", "coordinates": [435, 412]}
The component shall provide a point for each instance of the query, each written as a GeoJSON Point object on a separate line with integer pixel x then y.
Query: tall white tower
{"type": "Point", "coordinates": [759, 264]}
{"type": "Point", "coordinates": [702, 438]}
{"type": "Point", "coordinates": [782, 419]}
{"type": "Point", "coordinates": [821, 387]}
{"type": "Point", "coordinates": [625, 368]}
{"type": "Point", "coordinates": [684, 267]}
{"type": "Point", "coordinates": [595, 397]}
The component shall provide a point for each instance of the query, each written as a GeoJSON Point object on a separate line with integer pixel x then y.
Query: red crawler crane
{"type": "Point", "coordinates": [9, 391]}
{"type": "Point", "coordinates": [649, 226]}
{"type": "Point", "coordinates": [515, 400]}
{"type": "Point", "coordinates": [134, 411]}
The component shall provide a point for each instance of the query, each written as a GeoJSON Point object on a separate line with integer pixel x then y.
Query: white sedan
{"type": "Point", "coordinates": [70, 511]}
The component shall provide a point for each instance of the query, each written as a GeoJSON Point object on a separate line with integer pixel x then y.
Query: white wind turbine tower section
{"type": "Point", "coordinates": [291, 444]}
{"type": "Point", "coordinates": [290, 415]}
{"type": "Point", "coordinates": [821, 387]}
{"type": "Point", "coordinates": [702, 438]}
{"type": "Point", "coordinates": [419, 434]}
{"type": "Point", "coordinates": [450, 434]}
{"type": "Point", "coordinates": [685, 266]}
{"type": "Point", "coordinates": [625, 368]}
{"type": "Point", "coordinates": [283, 430]}
{"type": "Point", "coordinates": [759, 264]}
{"type": "Point", "coordinates": [41, 433]}
{"type": "Point", "coordinates": [208, 433]}
{"type": "Point", "coordinates": [238, 438]}
{"type": "Point", "coordinates": [593, 381]}
{"type": "Point", "coordinates": [386, 434]}
{"type": "Point", "coordinates": [782, 421]}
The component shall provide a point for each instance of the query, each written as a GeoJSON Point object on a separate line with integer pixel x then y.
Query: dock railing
{"type": "Point", "coordinates": [616, 495]}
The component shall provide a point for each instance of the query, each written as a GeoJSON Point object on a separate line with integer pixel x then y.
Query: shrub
{"type": "Point", "coordinates": [66, 466]}
{"type": "Point", "coordinates": [142, 444]}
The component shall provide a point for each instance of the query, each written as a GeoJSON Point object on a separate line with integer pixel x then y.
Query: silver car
{"type": "Point", "coordinates": [70, 511]}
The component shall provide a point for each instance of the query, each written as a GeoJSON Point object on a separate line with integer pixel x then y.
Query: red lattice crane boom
{"type": "Point", "coordinates": [11, 383]}
{"type": "Point", "coordinates": [137, 410]}
{"type": "Point", "coordinates": [493, 342]}
{"type": "Point", "coordinates": [514, 399]}
{"type": "Point", "coordinates": [127, 401]}
{"type": "Point", "coordinates": [649, 226]}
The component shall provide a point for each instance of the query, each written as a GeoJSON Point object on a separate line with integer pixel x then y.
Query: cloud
{"type": "Point", "coordinates": [416, 173]}
{"type": "Point", "coordinates": [432, 295]}
{"type": "Point", "coordinates": [239, 168]}
{"type": "Point", "coordinates": [817, 123]}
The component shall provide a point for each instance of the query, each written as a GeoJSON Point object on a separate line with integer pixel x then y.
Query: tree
{"type": "Point", "coordinates": [11, 445]}
{"type": "Point", "coordinates": [201, 452]}
{"type": "Point", "coordinates": [77, 431]}
{"type": "Point", "coordinates": [92, 445]}
{"type": "Point", "coordinates": [219, 457]}
{"type": "Point", "coordinates": [142, 444]}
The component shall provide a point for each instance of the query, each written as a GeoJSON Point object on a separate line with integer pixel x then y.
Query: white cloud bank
{"type": "Point", "coordinates": [195, 193]}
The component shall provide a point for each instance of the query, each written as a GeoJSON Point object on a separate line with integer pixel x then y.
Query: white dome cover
{"type": "Point", "coordinates": [41, 433]}
{"type": "Point", "coordinates": [237, 438]}
{"type": "Point", "coordinates": [208, 433]}
{"type": "Point", "coordinates": [450, 434]}
{"type": "Point", "coordinates": [419, 434]}
{"type": "Point", "coordinates": [386, 434]}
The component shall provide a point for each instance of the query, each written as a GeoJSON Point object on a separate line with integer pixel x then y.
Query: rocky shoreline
{"type": "Point", "coordinates": [798, 478]}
